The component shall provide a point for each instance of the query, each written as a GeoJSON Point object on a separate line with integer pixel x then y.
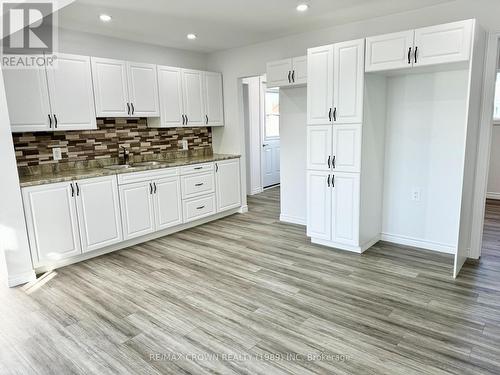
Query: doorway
{"type": "Point", "coordinates": [270, 131]}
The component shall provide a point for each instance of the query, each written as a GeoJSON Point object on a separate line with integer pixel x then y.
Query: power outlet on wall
{"type": "Point", "coordinates": [183, 144]}
{"type": "Point", "coordinates": [416, 194]}
{"type": "Point", "coordinates": [56, 153]}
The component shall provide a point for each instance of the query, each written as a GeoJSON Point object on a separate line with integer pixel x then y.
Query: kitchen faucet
{"type": "Point", "coordinates": [125, 154]}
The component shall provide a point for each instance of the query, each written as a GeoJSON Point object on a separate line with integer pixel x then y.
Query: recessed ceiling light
{"type": "Point", "coordinates": [105, 18]}
{"type": "Point", "coordinates": [302, 7]}
{"type": "Point", "coordinates": [191, 36]}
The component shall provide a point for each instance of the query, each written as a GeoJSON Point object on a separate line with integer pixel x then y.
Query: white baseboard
{"type": "Point", "coordinates": [292, 219]}
{"type": "Point", "coordinates": [416, 242]}
{"type": "Point", "coordinates": [243, 209]}
{"type": "Point", "coordinates": [354, 249]}
{"type": "Point", "coordinates": [20, 279]}
{"type": "Point", "coordinates": [255, 191]}
{"type": "Point", "coordinates": [495, 196]}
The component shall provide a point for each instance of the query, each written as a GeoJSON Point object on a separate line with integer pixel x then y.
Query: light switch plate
{"type": "Point", "coordinates": [416, 194]}
{"type": "Point", "coordinates": [183, 144]}
{"type": "Point", "coordinates": [56, 153]}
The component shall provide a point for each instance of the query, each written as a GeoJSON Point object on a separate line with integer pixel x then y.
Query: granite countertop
{"type": "Point", "coordinates": [78, 173]}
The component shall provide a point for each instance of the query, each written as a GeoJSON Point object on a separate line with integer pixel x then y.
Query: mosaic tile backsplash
{"type": "Point", "coordinates": [34, 149]}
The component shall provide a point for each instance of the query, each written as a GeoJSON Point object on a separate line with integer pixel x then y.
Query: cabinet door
{"type": "Point", "coordinates": [52, 222]}
{"type": "Point", "coordinates": [444, 43]}
{"type": "Point", "coordinates": [71, 94]}
{"type": "Point", "coordinates": [98, 209]}
{"type": "Point", "coordinates": [279, 73]}
{"type": "Point", "coordinates": [299, 66]}
{"type": "Point", "coordinates": [227, 184]}
{"type": "Point", "coordinates": [319, 147]}
{"type": "Point", "coordinates": [319, 85]}
{"type": "Point", "coordinates": [136, 202]}
{"type": "Point", "coordinates": [345, 208]}
{"type": "Point", "coordinates": [143, 90]}
{"type": "Point", "coordinates": [214, 109]}
{"type": "Point", "coordinates": [110, 87]}
{"type": "Point", "coordinates": [319, 205]}
{"type": "Point", "coordinates": [389, 51]}
{"type": "Point", "coordinates": [168, 206]}
{"type": "Point", "coordinates": [194, 107]}
{"type": "Point", "coordinates": [171, 107]}
{"type": "Point", "coordinates": [346, 147]}
{"type": "Point", "coordinates": [348, 81]}
{"type": "Point", "coordinates": [28, 99]}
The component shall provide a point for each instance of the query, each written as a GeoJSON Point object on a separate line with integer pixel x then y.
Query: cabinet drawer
{"type": "Point", "coordinates": [156, 174]}
{"type": "Point", "coordinates": [197, 184]}
{"type": "Point", "coordinates": [196, 168]}
{"type": "Point", "coordinates": [197, 208]}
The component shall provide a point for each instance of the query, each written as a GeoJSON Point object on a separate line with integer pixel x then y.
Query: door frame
{"type": "Point", "coordinates": [263, 91]}
{"type": "Point", "coordinates": [484, 144]}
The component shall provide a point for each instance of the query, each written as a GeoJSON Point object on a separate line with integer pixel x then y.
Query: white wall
{"type": "Point", "coordinates": [102, 46]}
{"type": "Point", "coordinates": [293, 107]}
{"type": "Point", "coordinates": [14, 247]}
{"type": "Point", "coordinates": [494, 172]}
{"type": "Point", "coordinates": [425, 123]}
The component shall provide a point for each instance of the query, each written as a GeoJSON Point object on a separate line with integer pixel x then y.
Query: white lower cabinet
{"type": "Point", "coordinates": [52, 222]}
{"type": "Point", "coordinates": [98, 210]}
{"type": "Point", "coordinates": [198, 208]}
{"type": "Point", "coordinates": [345, 208]}
{"type": "Point", "coordinates": [319, 205]}
{"type": "Point", "coordinates": [227, 176]}
{"type": "Point", "coordinates": [137, 209]}
{"type": "Point", "coordinates": [168, 207]}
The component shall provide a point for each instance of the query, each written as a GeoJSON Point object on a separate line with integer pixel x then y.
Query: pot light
{"type": "Point", "coordinates": [105, 17]}
{"type": "Point", "coordinates": [302, 7]}
{"type": "Point", "coordinates": [191, 36]}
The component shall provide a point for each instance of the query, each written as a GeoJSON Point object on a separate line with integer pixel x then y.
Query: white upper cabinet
{"type": "Point", "coordinates": [52, 223]}
{"type": "Point", "coordinates": [443, 43]}
{"type": "Point", "coordinates": [279, 73]}
{"type": "Point", "coordinates": [98, 210]}
{"type": "Point", "coordinates": [71, 93]}
{"type": "Point", "coordinates": [171, 100]}
{"type": "Point", "coordinates": [110, 87]}
{"type": "Point", "coordinates": [143, 90]}
{"type": "Point", "coordinates": [320, 85]}
{"type": "Point", "coordinates": [390, 51]}
{"type": "Point", "coordinates": [287, 72]}
{"type": "Point", "coordinates": [28, 99]}
{"type": "Point", "coordinates": [213, 99]}
{"type": "Point", "coordinates": [194, 106]}
{"type": "Point", "coordinates": [319, 147]}
{"type": "Point", "coordinates": [227, 180]}
{"type": "Point", "coordinates": [348, 81]}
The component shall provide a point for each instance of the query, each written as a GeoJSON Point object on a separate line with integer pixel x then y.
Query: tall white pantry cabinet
{"type": "Point", "coordinates": [354, 118]}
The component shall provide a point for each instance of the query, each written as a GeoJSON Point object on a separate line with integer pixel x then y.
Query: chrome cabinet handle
{"type": "Point", "coordinates": [289, 74]}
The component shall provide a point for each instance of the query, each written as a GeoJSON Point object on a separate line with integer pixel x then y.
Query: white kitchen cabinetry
{"type": "Point", "coordinates": [52, 222]}
{"type": "Point", "coordinates": [319, 85]}
{"type": "Point", "coordinates": [287, 72]}
{"type": "Point", "coordinates": [433, 45]}
{"type": "Point", "coordinates": [137, 209]}
{"type": "Point", "coordinates": [319, 205]}
{"type": "Point", "coordinates": [171, 98]}
{"type": "Point", "coordinates": [56, 98]}
{"type": "Point", "coordinates": [345, 208]}
{"type": "Point", "coordinates": [213, 99]}
{"type": "Point", "coordinates": [319, 147]}
{"type": "Point", "coordinates": [98, 210]}
{"type": "Point", "coordinates": [346, 148]}
{"type": "Point", "coordinates": [125, 89]}
{"type": "Point", "coordinates": [227, 177]}
{"type": "Point", "coordinates": [194, 105]}
{"type": "Point", "coordinates": [168, 207]}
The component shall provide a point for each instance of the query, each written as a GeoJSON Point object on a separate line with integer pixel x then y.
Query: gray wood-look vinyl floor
{"type": "Point", "coordinates": [250, 295]}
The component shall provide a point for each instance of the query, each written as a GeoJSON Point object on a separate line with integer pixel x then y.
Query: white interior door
{"type": "Point", "coordinates": [110, 87]}
{"type": "Point", "coordinates": [271, 139]}
{"type": "Point", "coordinates": [299, 65]}
{"type": "Point", "coordinates": [168, 207]}
{"type": "Point", "coordinates": [346, 146]}
{"type": "Point", "coordinates": [52, 222]}
{"type": "Point", "coordinates": [441, 44]}
{"type": "Point", "coordinates": [71, 93]}
{"type": "Point", "coordinates": [227, 180]}
{"type": "Point", "coordinates": [170, 90]}
{"type": "Point", "coordinates": [319, 85]}
{"type": "Point", "coordinates": [28, 99]}
{"type": "Point", "coordinates": [194, 107]}
{"type": "Point", "coordinates": [319, 147]}
{"type": "Point", "coordinates": [98, 208]}
{"type": "Point", "coordinates": [279, 73]}
{"type": "Point", "coordinates": [136, 202]}
{"type": "Point", "coordinates": [214, 109]}
{"type": "Point", "coordinates": [143, 90]}
{"type": "Point", "coordinates": [345, 208]}
{"type": "Point", "coordinates": [389, 51]}
{"type": "Point", "coordinates": [319, 205]}
{"type": "Point", "coordinates": [348, 81]}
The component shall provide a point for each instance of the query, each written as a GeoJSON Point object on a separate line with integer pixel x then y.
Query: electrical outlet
{"type": "Point", "coordinates": [183, 144]}
{"type": "Point", "coordinates": [416, 194]}
{"type": "Point", "coordinates": [56, 153]}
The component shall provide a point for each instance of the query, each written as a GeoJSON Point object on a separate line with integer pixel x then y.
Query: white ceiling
{"type": "Point", "coordinates": [220, 24]}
